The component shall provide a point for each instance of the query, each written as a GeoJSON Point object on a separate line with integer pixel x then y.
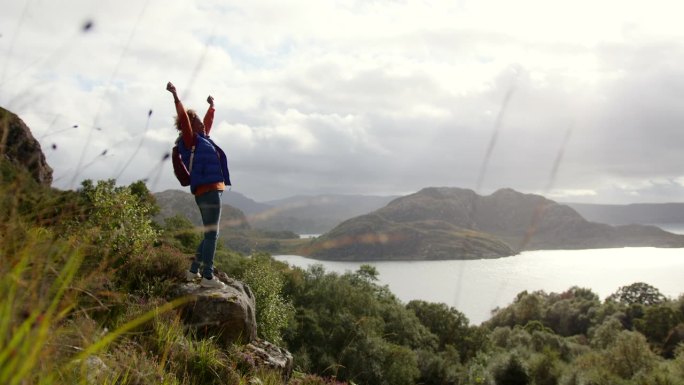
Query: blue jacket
{"type": "Point", "coordinates": [210, 164]}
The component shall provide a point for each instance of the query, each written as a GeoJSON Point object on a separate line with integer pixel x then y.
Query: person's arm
{"type": "Point", "coordinates": [183, 120]}
{"type": "Point", "coordinates": [209, 116]}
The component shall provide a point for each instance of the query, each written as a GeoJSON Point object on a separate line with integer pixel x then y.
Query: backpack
{"type": "Point", "coordinates": [182, 172]}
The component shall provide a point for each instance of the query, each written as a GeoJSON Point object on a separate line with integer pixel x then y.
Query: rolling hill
{"type": "Point", "coordinates": [453, 223]}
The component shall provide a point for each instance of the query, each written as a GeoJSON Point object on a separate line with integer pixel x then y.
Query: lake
{"type": "Point", "coordinates": [476, 287]}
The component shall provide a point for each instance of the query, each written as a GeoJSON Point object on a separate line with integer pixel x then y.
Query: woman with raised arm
{"type": "Point", "coordinates": [209, 177]}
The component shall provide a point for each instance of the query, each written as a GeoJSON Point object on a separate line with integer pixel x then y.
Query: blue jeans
{"type": "Point", "coordinates": [209, 205]}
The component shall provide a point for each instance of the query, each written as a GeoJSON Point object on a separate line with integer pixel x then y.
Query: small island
{"type": "Point", "coordinates": [440, 223]}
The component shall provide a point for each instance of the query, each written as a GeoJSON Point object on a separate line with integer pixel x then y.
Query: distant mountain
{"type": "Point", "coordinates": [244, 204]}
{"type": "Point", "coordinates": [298, 214]}
{"type": "Point", "coordinates": [176, 202]}
{"type": "Point", "coordinates": [453, 223]}
{"type": "Point", "coordinates": [640, 213]}
{"type": "Point", "coordinates": [315, 214]}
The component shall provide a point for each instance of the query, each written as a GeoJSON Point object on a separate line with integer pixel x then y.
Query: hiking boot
{"type": "Point", "coordinates": [190, 276]}
{"type": "Point", "coordinates": [213, 283]}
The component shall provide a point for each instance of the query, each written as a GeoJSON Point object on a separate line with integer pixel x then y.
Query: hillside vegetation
{"type": "Point", "coordinates": [85, 298]}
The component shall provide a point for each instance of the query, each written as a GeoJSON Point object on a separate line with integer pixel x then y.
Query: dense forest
{"type": "Point", "coordinates": [85, 284]}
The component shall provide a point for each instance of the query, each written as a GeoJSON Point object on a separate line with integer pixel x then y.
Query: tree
{"type": "Point", "coordinates": [116, 219]}
{"type": "Point", "coordinates": [629, 354]}
{"type": "Point", "coordinates": [147, 199]}
{"type": "Point", "coordinates": [525, 308]}
{"type": "Point", "coordinates": [545, 368]}
{"type": "Point", "coordinates": [450, 326]}
{"type": "Point", "coordinates": [657, 323]}
{"type": "Point", "coordinates": [606, 333]}
{"type": "Point", "coordinates": [512, 373]}
{"type": "Point", "coordinates": [637, 293]}
{"type": "Point", "coordinates": [571, 312]}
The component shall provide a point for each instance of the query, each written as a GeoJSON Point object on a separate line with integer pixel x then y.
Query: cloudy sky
{"type": "Point", "coordinates": [582, 101]}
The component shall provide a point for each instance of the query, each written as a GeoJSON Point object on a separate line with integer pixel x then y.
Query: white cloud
{"type": "Point", "coordinates": [359, 96]}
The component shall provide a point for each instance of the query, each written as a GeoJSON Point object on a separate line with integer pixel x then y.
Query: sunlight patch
{"type": "Point", "coordinates": [567, 193]}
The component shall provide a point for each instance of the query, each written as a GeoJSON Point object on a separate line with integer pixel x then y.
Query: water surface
{"type": "Point", "coordinates": [476, 287]}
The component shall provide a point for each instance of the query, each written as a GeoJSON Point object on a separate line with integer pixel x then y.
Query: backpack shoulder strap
{"type": "Point", "coordinates": [192, 151]}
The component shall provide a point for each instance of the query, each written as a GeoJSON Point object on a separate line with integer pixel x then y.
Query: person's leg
{"type": "Point", "coordinates": [210, 208]}
{"type": "Point", "coordinates": [195, 265]}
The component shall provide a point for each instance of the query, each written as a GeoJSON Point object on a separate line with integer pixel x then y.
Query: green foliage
{"type": "Point", "coordinates": [311, 379]}
{"type": "Point", "coordinates": [182, 233]}
{"type": "Point", "coordinates": [195, 361]}
{"type": "Point", "coordinates": [350, 327]}
{"type": "Point", "coordinates": [139, 189]}
{"type": "Point", "coordinates": [450, 326]}
{"type": "Point", "coordinates": [637, 293]}
{"type": "Point", "coordinates": [629, 355]}
{"type": "Point", "coordinates": [273, 311]}
{"type": "Point", "coordinates": [572, 312]}
{"type": "Point", "coordinates": [569, 313]}
{"type": "Point", "coordinates": [400, 365]}
{"type": "Point", "coordinates": [403, 327]}
{"type": "Point", "coordinates": [525, 308]}
{"type": "Point", "coordinates": [117, 221]}
{"type": "Point", "coordinates": [605, 335]}
{"type": "Point", "coordinates": [441, 367]}
{"type": "Point", "coordinates": [153, 272]}
{"type": "Point", "coordinates": [545, 368]}
{"type": "Point", "coordinates": [34, 300]}
{"type": "Point", "coordinates": [512, 372]}
{"type": "Point", "coordinates": [108, 323]}
{"type": "Point", "coordinates": [657, 322]}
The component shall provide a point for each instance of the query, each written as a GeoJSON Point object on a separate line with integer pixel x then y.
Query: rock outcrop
{"type": "Point", "coordinates": [227, 314]}
{"type": "Point", "coordinates": [261, 353]}
{"type": "Point", "coordinates": [18, 145]}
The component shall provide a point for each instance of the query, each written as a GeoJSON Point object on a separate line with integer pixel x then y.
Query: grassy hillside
{"type": "Point", "coordinates": [84, 285]}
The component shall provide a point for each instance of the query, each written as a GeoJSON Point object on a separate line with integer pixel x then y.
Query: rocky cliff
{"type": "Point", "coordinates": [453, 223]}
{"type": "Point", "coordinates": [18, 145]}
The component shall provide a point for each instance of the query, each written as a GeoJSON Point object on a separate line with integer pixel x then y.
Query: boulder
{"type": "Point", "coordinates": [228, 314]}
{"type": "Point", "coordinates": [18, 145]}
{"type": "Point", "coordinates": [260, 353]}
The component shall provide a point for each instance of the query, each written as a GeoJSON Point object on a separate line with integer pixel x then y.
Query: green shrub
{"type": "Point", "coordinates": [512, 372]}
{"type": "Point", "coordinates": [182, 233]}
{"type": "Point", "coordinates": [312, 379]}
{"type": "Point", "coordinates": [657, 322]}
{"type": "Point", "coordinates": [266, 282]}
{"type": "Point", "coordinates": [545, 368]}
{"type": "Point", "coordinates": [117, 221]}
{"type": "Point", "coordinates": [439, 368]}
{"type": "Point", "coordinates": [153, 272]}
{"type": "Point", "coordinates": [629, 354]}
